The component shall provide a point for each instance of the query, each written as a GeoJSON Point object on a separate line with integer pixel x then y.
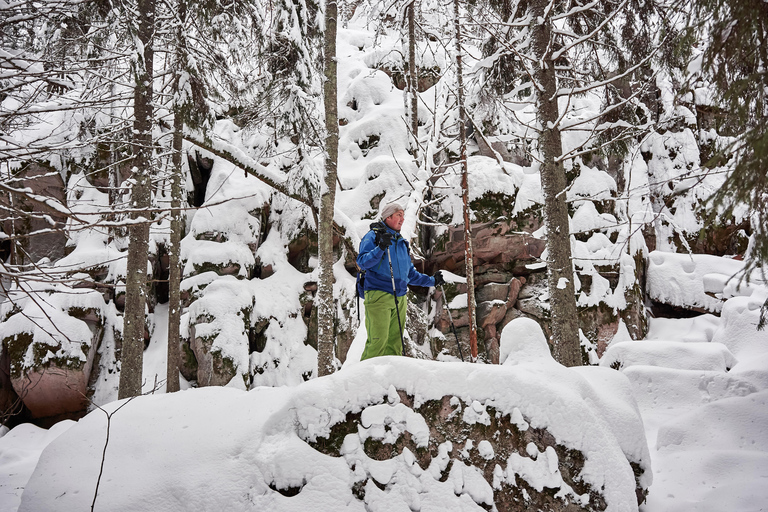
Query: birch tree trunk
{"type": "Point", "coordinates": [562, 295]}
{"type": "Point", "coordinates": [324, 299]}
{"type": "Point", "coordinates": [138, 233]}
{"type": "Point", "coordinates": [469, 257]}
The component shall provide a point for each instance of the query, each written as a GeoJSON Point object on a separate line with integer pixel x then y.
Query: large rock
{"type": "Point", "coordinates": [707, 356]}
{"type": "Point", "coordinates": [490, 313]}
{"type": "Point", "coordinates": [21, 214]}
{"type": "Point", "coordinates": [51, 344]}
{"type": "Point", "coordinates": [220, 321]}
{"type": "Point", "coordinates": [390, 433]}
{"type": "Point", "coordinates": [494, 242]}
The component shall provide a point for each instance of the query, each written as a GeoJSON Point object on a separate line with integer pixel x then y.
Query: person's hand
{"type": "Point", "coordinates": [439, 278]}
{"type": "Point", "coordinates": [383, 239]}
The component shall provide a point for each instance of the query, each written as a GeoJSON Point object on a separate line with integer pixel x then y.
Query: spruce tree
{"type": "Point", "coordinates": [548, 55]}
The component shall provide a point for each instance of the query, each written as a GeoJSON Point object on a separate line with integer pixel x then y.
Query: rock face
{"type": "Point", "coordinates": [493, 242]}
{"type": "Point", "coordinates": [391, 433]}
{"type": "Point", "coordinates": [41, 181]}
{"type": "Point", "coordinates": [472, 456]}
{"type": "Point", "coordinates": [487, 449]}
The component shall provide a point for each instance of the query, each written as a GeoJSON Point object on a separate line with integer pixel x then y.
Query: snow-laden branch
{"type": "Point", "coordinates": [576, 10]}
{"type": "Point", "coordinates": [602, 83]}
{"type": "Point", "coordinates": [238, 158]}
{"type": "Point", "coordinates": [556, 55]}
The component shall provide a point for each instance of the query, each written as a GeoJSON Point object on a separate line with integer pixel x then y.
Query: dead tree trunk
{"type": "Point", "coordinates": [468, 253]}
{"type": "Point", "coordinates": [324, 300]}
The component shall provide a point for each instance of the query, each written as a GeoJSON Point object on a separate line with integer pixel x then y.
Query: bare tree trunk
{"type": "Point", "coordinates": [562, 295]}
{"type": "Point", "coordinates": [413, 79]}
{"type": "Point", "coordinates": [324, 299]}
{"type": "Point", "coordinates": [174, 251]}
{"type": "Point", "coordinates": [469, 257]}
{"type": "Point", "coordinates": [138, 233]}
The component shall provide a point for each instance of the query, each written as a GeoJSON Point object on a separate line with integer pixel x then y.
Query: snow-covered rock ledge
{"type": "Point", "coordinates": [385, 434]}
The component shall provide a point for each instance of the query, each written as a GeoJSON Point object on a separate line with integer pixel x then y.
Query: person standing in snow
{"type": "Point", "coordinates": [386, 282]}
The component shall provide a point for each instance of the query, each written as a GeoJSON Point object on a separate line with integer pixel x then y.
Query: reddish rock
{"type": "Point", "coordinates": [514, 290]}
{"type": "Point", "coordinates": [51, 241]}
{"type": "Point", "coordinates": [57, 387]}
{"type": "Point", "coordinates": [605, 334]}
{"type": "Point", "coordinates": [493, 348]}
{"type": "Point", "coordinates": [490, 313]}
{"type": "Point", "coordinates": [54, 391]}
{"type": "Point", "coordinates": [492, 242]}
{"type": "Point", "coordinates": [493, 291]}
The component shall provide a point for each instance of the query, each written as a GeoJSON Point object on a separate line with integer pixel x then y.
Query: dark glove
{"type": "Point", "coordinates": [383, 239]}
{"type": "Point", "coordinates": [439, 278]}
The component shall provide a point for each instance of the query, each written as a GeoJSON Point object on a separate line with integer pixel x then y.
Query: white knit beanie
{"type": "Point", "coordinates": [390, 209]}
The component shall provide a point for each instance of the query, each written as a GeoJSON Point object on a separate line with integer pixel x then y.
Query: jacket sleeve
{"type": "Point", "coordinates": [416, 278]}
{"type": "Point", "coordinates": [370, 254]}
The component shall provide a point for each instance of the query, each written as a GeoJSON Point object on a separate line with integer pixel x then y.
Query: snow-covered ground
{"type": "Point", "coordinates": [701, 385]}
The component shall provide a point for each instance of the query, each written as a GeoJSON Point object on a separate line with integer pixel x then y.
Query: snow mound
{"type": "Point", "coordinates": [669, 354]}
{"type": "Point", "coordinates": [692, 280]}
{"type": "Point", "coordinates": [361, 439]}
{"type": "Point", "coordinates": [19, 451]}
{"type": "Point", "coordinates": [522, 340]}
{"type": "Point", "coordinates": [668, 388]}
{"type": "Point", "coordinates": [738, 327]}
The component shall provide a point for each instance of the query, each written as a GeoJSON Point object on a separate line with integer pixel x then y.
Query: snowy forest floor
{"type": "Point", "coordinates": [706, 427]}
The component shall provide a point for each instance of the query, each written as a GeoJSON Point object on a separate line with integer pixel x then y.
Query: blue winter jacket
{"type": "Point", "coordinates": [374, 261]}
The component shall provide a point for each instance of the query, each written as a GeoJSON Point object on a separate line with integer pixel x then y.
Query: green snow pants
{"type": "Point", "coordinates": [381, 324]}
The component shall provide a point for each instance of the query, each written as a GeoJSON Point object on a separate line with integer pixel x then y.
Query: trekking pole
{"type": "Point", "coordinates": [450, 317]}
{"type": "Point", "coordinates": [397, 305]}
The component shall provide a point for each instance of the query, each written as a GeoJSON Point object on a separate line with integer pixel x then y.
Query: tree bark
{"type": "Point", "coordinates": [413, 79]}
{"type": "Point", "coordinates": [138, 233]}
{"type": "Point", "coordinates": [562, 295]}
{"type": "Point", "coordinates": [174, 251]}
{"type": "Point", "coordinates": [469, 258]}
{"type": "Point", "coordinates": [324, 300]}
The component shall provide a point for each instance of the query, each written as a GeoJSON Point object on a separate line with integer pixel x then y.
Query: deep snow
{"type": "Point", "coordinates": [700, 384]}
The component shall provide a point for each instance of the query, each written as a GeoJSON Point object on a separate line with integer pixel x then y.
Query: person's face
{"type": "Point", "coordinates": [395, 221]}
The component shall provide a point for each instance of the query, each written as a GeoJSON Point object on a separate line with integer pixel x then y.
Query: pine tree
{"type": "Point", "coordinates": [548, 54]}
{"type": "Point", "coordinates": [138, 231]}
{"type": "Point", "coordinates": [735, 59]}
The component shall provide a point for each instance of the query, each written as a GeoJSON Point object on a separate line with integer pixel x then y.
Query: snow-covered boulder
{"type": "Point", "coordinates": [51, 342]}
{"type": "Point", "coordinates": [692, 281]}
{"type": "Point", "coordinates": [738, 326]}
{"type": "Point", "coordinates": [523, 340]}
{"type": "Point", "coordinates": [669, 354]}
{"type": "Point", "coordinates": [390, 433]}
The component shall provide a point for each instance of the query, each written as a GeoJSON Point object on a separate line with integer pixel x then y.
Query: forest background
{"type": "Point", "coordinates": [123, 125]}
